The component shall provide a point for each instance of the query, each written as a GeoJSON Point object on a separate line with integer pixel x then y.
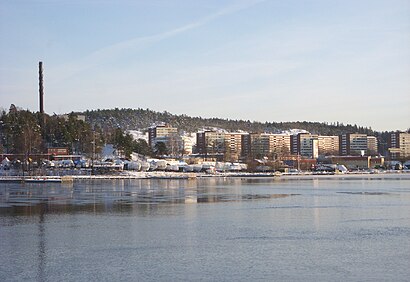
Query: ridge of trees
{"type": "Point", "coordinates": [131, 119]}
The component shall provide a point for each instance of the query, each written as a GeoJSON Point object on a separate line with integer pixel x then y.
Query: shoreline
{"type": "Point", "coordinates": [191, 176]}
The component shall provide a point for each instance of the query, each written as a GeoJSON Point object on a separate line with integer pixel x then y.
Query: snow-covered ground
{"type": "Point", "coordinates": [136, 134]}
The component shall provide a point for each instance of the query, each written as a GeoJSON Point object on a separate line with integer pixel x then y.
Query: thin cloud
{"type": "Point", "coordinates": [114, 50]}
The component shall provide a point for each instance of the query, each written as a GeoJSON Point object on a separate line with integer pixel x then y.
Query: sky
{"type": "Point", "coordinates": [294, 60]}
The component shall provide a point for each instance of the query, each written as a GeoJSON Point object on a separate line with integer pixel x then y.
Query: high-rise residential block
{"type": "Point", "coordinates": [163, 133]}
{"type": "Point", "coordinates": [328, 145]}
{"type": "Point", "coordinates": [258, 145]}
{"type": "Point", "coordinates": [399, 145]}
{"type": "Point", "coordinates": [305, 145]}
{"type": "Point", "coordinates": [355, 144]}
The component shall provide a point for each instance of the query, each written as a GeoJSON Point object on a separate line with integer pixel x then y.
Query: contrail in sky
{"type": "Point", "coordinates": [111, 51]}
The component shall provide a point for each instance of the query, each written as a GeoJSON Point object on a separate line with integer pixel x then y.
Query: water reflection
{"type": "Point", "coordinates": [145, 195]}
{"type": "Point", "coordinates": [41, 243]}
{"type": "Point", "coordinates": [125, 195]}
{"type": "Point", "coordinates": [209, 230]}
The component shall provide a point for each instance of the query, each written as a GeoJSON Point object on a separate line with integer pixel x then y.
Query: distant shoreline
{"type": "Point", "coordinates": [375, 176]}
{"type": "Point", "coordinates": [190, 176]}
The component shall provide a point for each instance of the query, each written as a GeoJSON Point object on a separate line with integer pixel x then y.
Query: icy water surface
{"type": "Point", "coordinates": [341, 229]}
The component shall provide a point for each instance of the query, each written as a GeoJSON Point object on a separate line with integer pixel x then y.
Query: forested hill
{"type": "Point", "coordinates": [129, 119]}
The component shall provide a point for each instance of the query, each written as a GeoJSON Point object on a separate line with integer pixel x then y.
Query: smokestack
{"type": "Point", "coordinates": [41, 88]}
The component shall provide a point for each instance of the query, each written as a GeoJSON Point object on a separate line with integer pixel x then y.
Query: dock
{"type": "Point", "coordinates": [33, 179]}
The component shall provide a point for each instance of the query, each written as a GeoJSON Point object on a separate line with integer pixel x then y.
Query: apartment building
{"type": "Point", "coordinates": [279, 144]}
{"type": "Point", "coordinates": [399, 145]}
{"type": "Point", "coordinates": [233, 145]}
{"type": "Point", "coordinates": [352, 144]}
{"type": "Point", "coordinates": [372, 146]}
{"type": "Point", "coordinates": [356, 144]}
{"type": "Point", "coordinates": [166, 134]}
{"type": "Point", "coordinates": [305, 145]}
{"type": "Point", "coordinates": [257, 145]}
{"type": "Point", "coordinates": [187, 144]}
{"type": "Point", "coordinates": [210, 142]}
{"type": "Point", "coordinates": [328, 145]}
{"type": "Point", "coordinates": [236, 145]}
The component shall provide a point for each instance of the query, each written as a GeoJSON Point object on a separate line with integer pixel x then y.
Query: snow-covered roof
{"type": "Point", "coordinates": [5, 161]}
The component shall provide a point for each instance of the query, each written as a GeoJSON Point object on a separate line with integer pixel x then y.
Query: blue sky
{"type": "Point", "coordinates": [346, 61]}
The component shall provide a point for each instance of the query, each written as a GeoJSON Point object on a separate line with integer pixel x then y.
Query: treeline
{"type": "Point", "coordinates": [142, 118]}
{"type": "Point", "coordinates": [27, 134]}
{"type": "Point", "coordinates": [125, 143]}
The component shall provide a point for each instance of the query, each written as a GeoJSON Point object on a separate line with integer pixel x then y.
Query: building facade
{"type": "Point", "coordinates": [279, 145]}
{"type": "Point", "coordinates": [210, 142]}
{"type": "Point", "coordinates": [353, 144]}
{"type": "Point", "coordinates": [258, 145]}
{"type": "Point", "coordinates": [187, 144]}
{"type": "Point", "coordinates": [167, 135]}
{"type": "Point", "coordinates": [305, 145]}
{"type": "Point", "coordinates": [372, 146]}
{"type": "Point", "coordinates": [399, 145]}
{"type": "Point", "coordinates": [328, 145]}
{"type": "Point", "coordinates": [233, 146]}
{"type": "Point", "coordinates": [357, 162]}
